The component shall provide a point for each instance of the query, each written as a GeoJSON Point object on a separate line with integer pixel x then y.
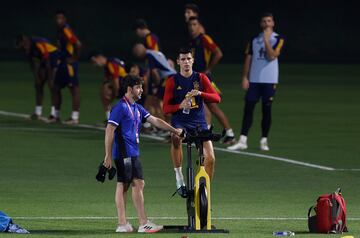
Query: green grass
{"type": "Point", "coordinates": [48, 170]}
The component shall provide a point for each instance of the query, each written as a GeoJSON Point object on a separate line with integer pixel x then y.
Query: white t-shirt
{"type": "Point", "coordinates": [263, 70]}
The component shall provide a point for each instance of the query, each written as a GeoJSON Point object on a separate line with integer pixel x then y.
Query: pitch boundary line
{"type": "Point", "coordinates": [170, 218]}
{"type": "Point", "coordinates": [35, 129]}
{"type": "Point", "coordinates": [290, 161]}
{"type": "Point", "coordinates": [285, 160]}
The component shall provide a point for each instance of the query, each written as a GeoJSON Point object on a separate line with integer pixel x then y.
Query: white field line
{"type": "Point", "coordinates": [14, 114]}
{"type": "Point", "coordinates": [285, 160]}
{"type": "Point", "coordinates": [171, 218]}
{"type": "Point", "coordinates": [278, 159]}
{"type": "Point", "coordinates": [348, 170]}
{"type": "Point", "coordinates": [36, 129]}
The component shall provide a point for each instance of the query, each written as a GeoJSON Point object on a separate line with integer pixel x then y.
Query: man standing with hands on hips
{"type": "Point", "coordinates": [122, 145]}
{"type": "Point", "coordinates": [260, 77]}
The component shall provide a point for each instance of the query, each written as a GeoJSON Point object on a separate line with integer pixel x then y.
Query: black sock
{"type": "Point", "coordinates": [248, 117]}
{"type": "Point", "coordinates": [266, 119]}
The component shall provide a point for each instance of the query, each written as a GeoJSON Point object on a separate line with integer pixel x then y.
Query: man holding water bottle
{"type": "Point", "coordinates": [184, 97]}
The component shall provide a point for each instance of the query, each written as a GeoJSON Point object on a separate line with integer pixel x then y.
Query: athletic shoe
{"type": "Point", "coordinates": [14, 228]}
{"type": "Point", "coordinates": [182, 191]}
{"type": "Point", "coordinates": [264, 144]}
{"type": "Point", "coordinates": [150, 227]}
{"type": "Point", "coordinates": [71, 121]}
{"type": "Point", "coordinates": [52, 119]}
{"type": "Point", "coordinates": [229, 137]}
{"type": "Point", "coordinates": [229, 140]}
{"type": "Point", "coordinates": [124, 228]}
{"type": "Point", "coordinates": [238, 146]}
{"type": "Point", "coordinates": [181, 188]}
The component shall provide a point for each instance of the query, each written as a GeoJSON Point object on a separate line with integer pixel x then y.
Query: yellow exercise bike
{"type": "Point", "coordinates": [198, 201]}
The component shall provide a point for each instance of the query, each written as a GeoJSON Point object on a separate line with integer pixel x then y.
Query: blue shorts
{"type": "Point", "coordinates": [54, 58]}
{"type": "Point", "coordinates": [189, 125]}
{"type": "Point", "coordinates": [67, 75]}
{"type": "Point", "coordinates": [265, 91]}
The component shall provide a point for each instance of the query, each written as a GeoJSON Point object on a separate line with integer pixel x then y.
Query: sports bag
{"type": "Point", "coordinates": [330, 215]}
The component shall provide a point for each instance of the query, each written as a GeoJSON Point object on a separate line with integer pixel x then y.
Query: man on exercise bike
{"type": "Point", "coordinates": [185, 94]}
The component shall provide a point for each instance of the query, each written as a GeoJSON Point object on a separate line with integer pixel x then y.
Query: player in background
{"type": "Point", "coordinates": [114, 73]}
{"type": "Point", "coordinates": [43, 58]}
{"type": "Point", "coordinates": [185, 93]}
{"type": "Point", "coordinates": [260, 78]}
{"type": "Point", "coordinates": [67, 73]}
{"type": "Point", "coordinates": [149, 39]}
{"type": "Point", "coordinates": [192, 10]}
{"type": "Point", "coordinates": [206, 56]}
{"type": "Point", "coordinates": [159, 70]}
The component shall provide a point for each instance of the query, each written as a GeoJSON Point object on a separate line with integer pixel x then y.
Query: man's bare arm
{"type": "Point", "coordinates": [217, 55]}
{"type": "Point", "coordinates": [109, 139]}
{"type": "Point", "coordinates": [245, 73]}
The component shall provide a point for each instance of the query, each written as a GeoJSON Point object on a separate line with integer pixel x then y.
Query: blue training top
{"type": "Point", "coordinates": [196, 117]}
{"type": "Point", "coordinates": [127, 118]}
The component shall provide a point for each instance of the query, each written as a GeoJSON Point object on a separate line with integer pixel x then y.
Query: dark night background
{"type": "Point", "coordinates": [315, 31]}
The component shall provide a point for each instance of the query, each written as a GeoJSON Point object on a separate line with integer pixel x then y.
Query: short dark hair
{"type": "Point", "coordinates": [140, 24]}
{"type": "Point", "coordinates": [60, 12]}
{"type": "Point", "coordinates": [193, 7]}
{"type": "Point", "coordinates": [267, 14]}
{"type": "Point", "coordinates": [129, 65]}
{"type": "Point", "coordinates": [184, 50]}
{"type": "Point", "coordinates": [193, 18]}
{"type": "Point", "coordinates": [131, 81]}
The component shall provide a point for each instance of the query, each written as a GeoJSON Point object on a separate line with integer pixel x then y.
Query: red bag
{"type": "Point", "coordinates": [330, 214]}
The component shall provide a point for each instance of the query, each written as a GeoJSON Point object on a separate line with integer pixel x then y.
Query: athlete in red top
{"type": "Point", "coordinates": [184, 97]}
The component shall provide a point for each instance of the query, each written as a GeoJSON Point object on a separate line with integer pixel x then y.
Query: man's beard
{"type": "Point", "coordinates": [137, 97]}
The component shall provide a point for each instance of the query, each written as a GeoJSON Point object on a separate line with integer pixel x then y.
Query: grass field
{"type": "Point", "coordinates": [48, 171]}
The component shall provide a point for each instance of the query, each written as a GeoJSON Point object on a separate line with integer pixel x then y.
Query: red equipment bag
{"type": "Point", "coordinates": [330, 215]}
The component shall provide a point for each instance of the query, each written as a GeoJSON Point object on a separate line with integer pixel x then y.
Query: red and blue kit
{"type": "Point", "coordinates": [67, 74]}
{"type": "Point", "coordinates": [176, 89]}
{"type": "Point", "coordinates": [115, 69]}
{"type": "Point", "coordinates": [43, 50]}
{"type": "Point", "coordinates": [151, 42]}
{"type": "Point", "coordinates": [202, 48]}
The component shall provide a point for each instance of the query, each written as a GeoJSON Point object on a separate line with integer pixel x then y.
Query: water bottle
{"type": "Point", "coordinates": [187, 110]}
{"type": "Point", "coordinates": [283, 233]}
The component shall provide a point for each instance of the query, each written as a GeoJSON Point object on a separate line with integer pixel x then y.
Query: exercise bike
{"type": "Point", "coordinates": [198, 201]}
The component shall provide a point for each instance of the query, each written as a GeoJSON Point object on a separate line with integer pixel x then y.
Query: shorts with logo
{"type": "Point", "coordinates": [128, 169]}
{"type": "Point", "coordinates": [67, 75]}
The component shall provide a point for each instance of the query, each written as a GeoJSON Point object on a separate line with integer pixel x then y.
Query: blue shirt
{"type": "Point", "coordinates": [128, 124]}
